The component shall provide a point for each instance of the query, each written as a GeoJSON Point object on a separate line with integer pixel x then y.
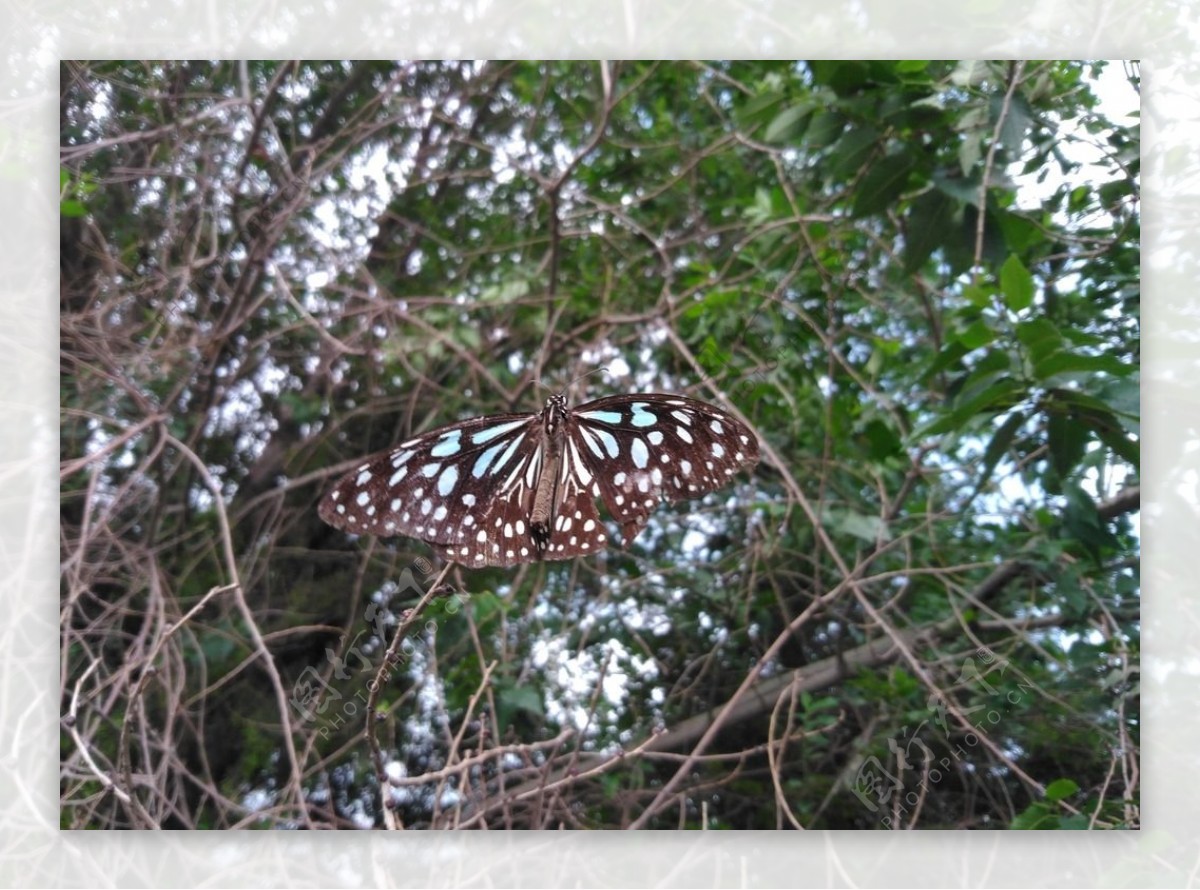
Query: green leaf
{"type": "Point", "coordinates": [505, 292]}
{"type": "Point", "coordinates": [979, 295]}
{"type": "Point", "coordinates": [859, 525]}
{"type": "Point", "coordinates": [950, 357]}
{"type": "Point", "coordinates": [523, 698]}
{"type": "Point", "coordinates": [1064, 362]}
{"type": "Point", "coordinates": [788, 124]}
{"type": "Point", "coordinates": [1082, 522]}
{"type": "Point", "coordinates": [970, 150]}
{"type": "Point", "coordinates": [960, 188]}
{"type": "Point", "coordinates": [1060, 789]}
{"type": "Point", "coordinates": [711, 356]}
{"type": "Point", "coordinates": [761, 209]}
{"type": "Point", "coordinates": [759, 109]}
{"type": "Point", "coordinates": [978, 334]}
{"type": "Point", "coordinates": [998, 396]}
{"type": "Point", "coordinates": [930, 223]}
{"type": "Point", "coordinates": [824, 128]}
{"type": "Point", "coordinates": [1068, 439]}
{"type": "Point", "coordinates": [1040, 337]}
{"type": "Point", "coordinates": [884, 182]}
{"type": "Point", "coordinates": [1016, 284]}
{"type": "Point", "coordinates": [1016, 123]}
{"type": "Point", "coordinates": [715, 301]}
{"type": "Point", "coordinates": [996, 448]}
{"type": "Point", "coordinates": [1036, 817]}
{"type": "Point", "coordinates": [1080, 401]}
{"type": "Point", "coordinates": [883, 443]}
{"type": "Point", "coordinates": [1020, 233]}
{"type": "Point", "coordinates": [1123, 446]}
{"type": "Point", "coordinates": [968, 73]}
{"type": "Point", "coordinates": [486, 606]}
{"type": "Point", "coordinates": [853, 150]}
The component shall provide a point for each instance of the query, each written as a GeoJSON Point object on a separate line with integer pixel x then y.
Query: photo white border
{"type": "Point", "coordinates": [36, 853]}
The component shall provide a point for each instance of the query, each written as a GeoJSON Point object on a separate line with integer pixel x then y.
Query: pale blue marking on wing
{"type": "Point", "coordinates": [504, 458]}
{"type": "Point", "coordinates": [447, 480]}
{"type": "Point", "coordinates": [639, 453]}
{"type": "Point", "coordinates": [449, 444]}
{"type": "Point", "coordinates": [486, 435]}
{"type": "Point", "coordinates": [610, 417]}
{"type": "Point", "coordinates": [610, 442]}
{"type": "Point", "coordinates": [482, 462]}
{"type": "Point", "coordinates": [589, 439]}
{"type": "Point", "coordinates": [642, 417]}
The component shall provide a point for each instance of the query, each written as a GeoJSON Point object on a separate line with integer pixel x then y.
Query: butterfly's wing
{"type": "Point", "coordinates": [441, 486]}
{"type": "Point", "coordinates": [641, 449]}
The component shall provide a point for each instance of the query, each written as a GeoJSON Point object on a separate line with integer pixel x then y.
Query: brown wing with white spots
{"type": "Point", "coordinates": [645, 448]}
{"type": "Point", "coordinates": [437, 486]}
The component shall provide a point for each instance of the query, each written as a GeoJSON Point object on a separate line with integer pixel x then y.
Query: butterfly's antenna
{"type": "Point", "coordinates": [589, 373]}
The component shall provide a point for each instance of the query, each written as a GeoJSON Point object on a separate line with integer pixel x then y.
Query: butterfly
{"type": "Point", "coordinates": [515, 488]}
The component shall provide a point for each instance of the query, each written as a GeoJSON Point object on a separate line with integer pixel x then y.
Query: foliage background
{"type": "Point", "coordinates": [897, 272]}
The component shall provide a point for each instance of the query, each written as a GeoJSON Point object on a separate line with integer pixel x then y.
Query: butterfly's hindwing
{"type": "Point", "coordinates": [481, 492]}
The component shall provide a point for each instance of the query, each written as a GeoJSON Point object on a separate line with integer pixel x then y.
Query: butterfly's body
{"type": "Point", "coordinates": [513, 488]}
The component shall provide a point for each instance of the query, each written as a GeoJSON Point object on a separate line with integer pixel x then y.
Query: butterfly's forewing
{"type": "Point", "coordinates": [656, 446]}
{"type": "Point", "coordinates": [440, 486]}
